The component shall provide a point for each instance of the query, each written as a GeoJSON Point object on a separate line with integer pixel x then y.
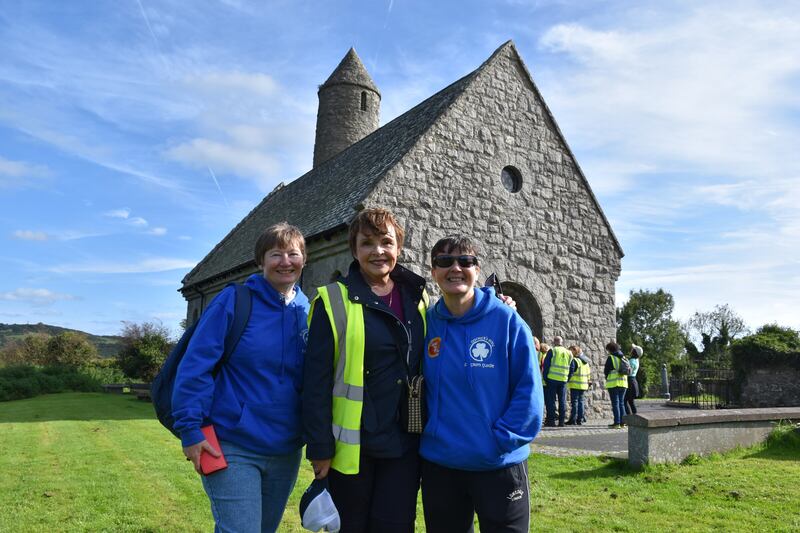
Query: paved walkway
{"type": "Point", "coordinates": [592, 438]}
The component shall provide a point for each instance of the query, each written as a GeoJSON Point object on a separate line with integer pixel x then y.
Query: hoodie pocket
{"type": "Point", "coordinates": [468, 440]}
{"type": "Point", "coordinates": [273, 427]}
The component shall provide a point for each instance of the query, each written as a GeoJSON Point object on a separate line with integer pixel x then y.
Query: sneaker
{"type": "Point", "coordinates": [578, 423]}
{"type": "Point", "coordinates": [570, 422]}
{"type": "Point", "coordinates": [549, 425]}
{"type": "Point", "coordinates": [561, 424]}
{"type": "Point", "coordinates": [614, 426]}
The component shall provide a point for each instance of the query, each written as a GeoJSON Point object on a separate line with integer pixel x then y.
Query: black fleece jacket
{"type": "Point", "coordinates": [388, 359]}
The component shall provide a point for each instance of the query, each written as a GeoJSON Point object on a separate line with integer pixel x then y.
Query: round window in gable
{"type": "Point", "coordinates": [511, 178]}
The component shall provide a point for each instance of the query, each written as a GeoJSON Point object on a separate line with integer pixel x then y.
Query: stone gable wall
{"type": "Point", "coordinates": [549, 237]}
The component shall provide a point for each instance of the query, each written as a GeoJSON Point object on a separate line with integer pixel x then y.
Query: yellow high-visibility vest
{"type": "Point", "coordinates": [559, 364]}
{"type": "Point", "coordinates": [615, 379]}
{"type": "Point", "coordinates": [580, 378]}
{"type": "Point", "coordinates": [347, 324]}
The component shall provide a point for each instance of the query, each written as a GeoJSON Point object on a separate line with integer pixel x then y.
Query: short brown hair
{"type": "Point", "coordinates": [612, 347]}
{"type": "Point", "coordinates": [462, 243]}
{"type": "Point", "coordinates": [376, 221]}
{"type": "Point", "coordinates": [280, 235]}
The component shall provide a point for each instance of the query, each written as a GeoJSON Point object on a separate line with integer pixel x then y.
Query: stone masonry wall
{"type": "Point", "coordinates": [775, 386]}
{"type": "Point", "coordinates": [340, 120]}
{"type": "Point", "coordinates": [549, 237]}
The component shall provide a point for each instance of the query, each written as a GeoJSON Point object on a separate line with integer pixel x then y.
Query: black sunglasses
{"type": "Point", "coordinates": [446, 261]}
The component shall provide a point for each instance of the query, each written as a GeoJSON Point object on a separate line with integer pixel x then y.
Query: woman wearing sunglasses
{"type": "Point", "coordinates": [484, 398]}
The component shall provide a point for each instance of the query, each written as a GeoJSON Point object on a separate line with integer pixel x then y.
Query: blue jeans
{"type": "Point", "coordinates": [551, 391]}
{"type": "Point", "coordinates": [251, 494]}
{"type": "Point", "coordinates": [576, 405]}
{"type": "Point", "coordinates": [617, 402]}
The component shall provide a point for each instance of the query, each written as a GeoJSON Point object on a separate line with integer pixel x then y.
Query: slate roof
{"type": "Point", "coordinates": [325, 198]}
{"type": "Point", "coordinates": [351, 70]}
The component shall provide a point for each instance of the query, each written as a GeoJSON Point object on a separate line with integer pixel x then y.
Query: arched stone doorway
{"type": "Point", "coordinates": [527, 306]}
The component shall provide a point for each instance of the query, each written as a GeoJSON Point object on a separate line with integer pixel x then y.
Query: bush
{"type": "Point", "coordinates": [105, 371]}
{"type": "Point", "coordinates": [18, 382]}
{"type": "Point", "coordinates": [145, 347]}
{"type": "Point", "coordinates": [771, 345]}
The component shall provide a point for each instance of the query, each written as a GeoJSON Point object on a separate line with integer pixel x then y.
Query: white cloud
{"type": "Point", "coordinates": [38, 297]}
{"type": "Point", "coordinates": [228, 157]}
{"type": "Point", "coordinates": [123, 213]}
{"type": "Point", "coordinates": [256, 84]}
{"type": "Point", "coordinates": [158, 231]}
{"type": "Point", "coordinates": [30, 235]}
{"type": "Point", "coordinates": [137, 221]}
{"type": "Point", "coordinates": [20, 173]}
{"type": "Point", "coordinates": [708, 90]}
{"type": "Point", "coordinates": [155, 264]}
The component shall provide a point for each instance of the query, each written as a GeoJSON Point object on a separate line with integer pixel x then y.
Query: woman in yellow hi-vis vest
{"type": "Point", "coordinates": [616, 383]}
{"type": "Point", "coordinates": [366, 338]}
{"type": "Point", "coordinates": [578, 384]}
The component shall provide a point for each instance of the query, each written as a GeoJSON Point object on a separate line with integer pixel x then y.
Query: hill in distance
{"type": "Point", "coordinates": [107, 345]}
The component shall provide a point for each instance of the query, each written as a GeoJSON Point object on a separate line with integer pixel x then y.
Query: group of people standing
{"type": "Point", "coordinates": [340, 373]}
{"type": "Point", "coordinates": [569, 369]}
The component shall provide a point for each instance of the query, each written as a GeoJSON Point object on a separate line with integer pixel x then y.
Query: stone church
{"type": "Point", "coordinates": [484, 157]}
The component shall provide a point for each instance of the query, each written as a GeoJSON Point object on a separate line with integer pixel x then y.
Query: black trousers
{"type": "Point", "coordinates": [451, 497]}
{"type": "Point", "coordinates": [381, 498]}
{"type": "Point", "coordinates": [630, 396]}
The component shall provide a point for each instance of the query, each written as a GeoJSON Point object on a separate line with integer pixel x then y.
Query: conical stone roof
{"type": "Point", "coordinates": [351, 71]}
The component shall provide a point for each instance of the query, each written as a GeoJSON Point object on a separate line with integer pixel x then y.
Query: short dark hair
{"type": "Point", "coordinates": [462, 243]}
{"type": "Point", "coordinates": [280, 235]}
{"type": "Point", "coordinates": [376, 221]}
{"type": "Point", "coordinates": [612, 347]}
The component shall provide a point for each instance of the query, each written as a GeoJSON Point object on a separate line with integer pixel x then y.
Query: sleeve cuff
{"type": "Point", "coordinates": [190, 437]}
{"type": "Point", "coordinates": [320, 451]}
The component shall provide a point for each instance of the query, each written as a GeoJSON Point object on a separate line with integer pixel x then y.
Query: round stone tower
{"type": "Point", "coordinates": [349, 108]}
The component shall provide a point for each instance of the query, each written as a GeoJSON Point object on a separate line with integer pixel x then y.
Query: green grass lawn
{"type": "Point", "coordinates": [95, 462]}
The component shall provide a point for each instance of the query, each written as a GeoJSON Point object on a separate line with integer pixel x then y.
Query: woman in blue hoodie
{"type": "Point", "coordinates": [253, 402]}
{"type": "Point", "coordinates": [484, 399]}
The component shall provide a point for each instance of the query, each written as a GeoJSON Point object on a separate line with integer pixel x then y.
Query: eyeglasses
{"type": "Point", "coordinates": [446, 261]}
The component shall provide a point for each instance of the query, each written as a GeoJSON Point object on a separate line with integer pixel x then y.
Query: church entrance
{"type": "Point", "coordinates": [527, 306]}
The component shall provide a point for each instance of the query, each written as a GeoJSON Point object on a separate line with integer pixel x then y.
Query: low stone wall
{"type": "Point", "coordinates": [670, 436]}
{"type": "Point", "coordinates": [775, 386]}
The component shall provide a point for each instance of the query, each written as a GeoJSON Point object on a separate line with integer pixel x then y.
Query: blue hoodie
{"type": "Point", "coordinates": [255, 399]}
{"type": "Point", "coordinates": [483, 386]}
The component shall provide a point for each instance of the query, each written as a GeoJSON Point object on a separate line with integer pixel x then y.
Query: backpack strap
{"type": "Point", "coordinates": [243, 303]}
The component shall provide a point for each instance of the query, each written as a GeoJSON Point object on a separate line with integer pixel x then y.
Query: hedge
{"type": "Point", "coordinates": [19, 382]}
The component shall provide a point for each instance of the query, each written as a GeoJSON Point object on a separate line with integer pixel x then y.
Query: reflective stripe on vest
{"type": "Point", "coordinates": [615, 379]}
{"type": "Point", "coordinates": [580, 378]}
{"type": "Point", "coordinates": [347, 325]}
{"type": "Point", "coordinates": [559, 364]}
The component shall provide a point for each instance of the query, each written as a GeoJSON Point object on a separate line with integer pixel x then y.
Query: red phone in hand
{"type": "Point", "coordinates": [208, 463]}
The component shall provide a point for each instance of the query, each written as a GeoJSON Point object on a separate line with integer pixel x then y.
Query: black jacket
{"type": "Point", "coordinates": [387, 356]}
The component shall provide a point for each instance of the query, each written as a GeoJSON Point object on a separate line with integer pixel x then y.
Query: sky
{"type": "Point", "coordinates": [134, 134]}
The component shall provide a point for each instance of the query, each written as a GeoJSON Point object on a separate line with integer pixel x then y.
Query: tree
{"type": "Point", "coordinates": [145, 347]}
{"type": "Point", "coordinates": [710, 335]}
{"type": "Point", "coordinates": [69, 349]}
{"type": "Point", "coordinates": [30, 350]}
{"type": "Point", "coordinates": [646, 320]}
